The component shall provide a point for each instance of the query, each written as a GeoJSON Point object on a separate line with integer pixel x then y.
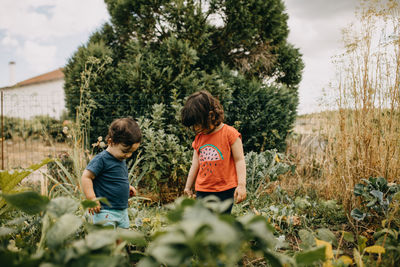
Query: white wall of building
{"type": "Point", "coordinates": [27, 101]}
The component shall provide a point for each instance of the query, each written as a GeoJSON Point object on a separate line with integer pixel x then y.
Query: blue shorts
{"type": "Point", "coordinates": [116, 218]}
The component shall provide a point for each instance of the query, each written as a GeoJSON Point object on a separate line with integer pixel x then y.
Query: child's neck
{"type": "Point", "coordinates": [112, 151]}
{"type": "Point", "coordinates": [216, 128]}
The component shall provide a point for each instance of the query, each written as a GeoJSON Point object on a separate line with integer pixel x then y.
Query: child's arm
{"type": "Point", "coordinates": [240, 164]}
{"type": "Point", "coordinates": [87, 187]}
{"type": "Point", "coordinates": [192, 174]}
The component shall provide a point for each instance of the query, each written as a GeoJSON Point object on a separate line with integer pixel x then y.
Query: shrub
{"type": "Point", "coordinates": [262, 168]}
{"type": "Point", "coordinates": [165, 155]}
{"type": "Point", "coordinates": [151, 61]}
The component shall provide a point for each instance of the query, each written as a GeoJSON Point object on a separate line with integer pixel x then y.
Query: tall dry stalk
{"type": "Point", "coordinates": [364, 133]}
{"type": "Point", "coordinates": [79, 152]}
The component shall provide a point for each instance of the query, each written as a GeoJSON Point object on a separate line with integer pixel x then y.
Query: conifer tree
{"type": "Point", "coordinates": [236, 49]}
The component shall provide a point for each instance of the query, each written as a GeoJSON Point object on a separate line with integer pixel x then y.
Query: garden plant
{"type": "Point", "coordinates": [334, 202]}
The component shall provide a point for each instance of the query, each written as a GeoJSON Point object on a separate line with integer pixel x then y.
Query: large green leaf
{"type": "Point", "coordinates": [327, 235]}
{"type": "Point", "coordinates": [64, 227]}
{"type": "Point", "coordinates": [131, 236]}
{"type": "Point", "coordinates": [171, 255]}
{"type": "Point", "coordinates": [222, 233]}
{"type": "Point", "coordinates": [260, 230]}
{"type": "Point", "coordinates": [275, 259]}
{"type": "Point", "coordinates": [307, 238]}
{"type": "Point", "coordinates": [310, 256]}
{"type": "Point", "coordinates": [349, 237]}
{"type": "Point", "coordinates": [62, 205]}
{"type": "Point", "coordinates": [29, 202]}
{"type": "Point", "coordinates": [101, 238]}
{"type": "Point", "coordinates": [378, 194]}
{"type": "Point", "coordinates": [10, 179]}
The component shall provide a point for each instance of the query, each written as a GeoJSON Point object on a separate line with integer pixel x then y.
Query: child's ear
{"type": "Point", "coordinates": [109, 141]}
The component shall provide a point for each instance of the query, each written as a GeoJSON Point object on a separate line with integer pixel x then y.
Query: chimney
{"type": "Point", "coordinates": [11, 66]}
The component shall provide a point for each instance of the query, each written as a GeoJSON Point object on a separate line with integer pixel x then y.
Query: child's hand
{"type": "Point", "coordinates": [95, 209]}
{"type": "Point", "coordinates": [132, 191]}
{"type": "Point", "coordinates": [240, 194]}
{"type": "Point", "coordinates": [189, 192]}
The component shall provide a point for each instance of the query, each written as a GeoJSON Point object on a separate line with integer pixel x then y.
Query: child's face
{"type": "Point", "coordinates": [121, 151]}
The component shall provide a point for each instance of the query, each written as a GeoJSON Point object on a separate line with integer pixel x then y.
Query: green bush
{"type": "Point", "coordinates": [13, 127]}
{"type": "Point", "coordinates": [262, 168]}
{"type": "Point", "coordinates": [50, 127]}
{"type": "Point", "coordinates": [165, 159]}
{"type": "Point", "coordinates": [147, 75]}
{"type": "Point", "coordinates": [152, 61]}
{"type": "Point", "coordinates": [264, 115]}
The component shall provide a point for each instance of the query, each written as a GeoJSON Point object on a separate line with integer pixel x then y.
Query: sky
{"type": "Point", "coordinates": [41, 35]}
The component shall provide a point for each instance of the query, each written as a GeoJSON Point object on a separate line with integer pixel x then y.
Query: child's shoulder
{"type": "Point", "coordinates": [231, 133]}
{"type": "Point", "coordinates": [100, 156]}
{"type": "Point", "coordinates": [230, 129]}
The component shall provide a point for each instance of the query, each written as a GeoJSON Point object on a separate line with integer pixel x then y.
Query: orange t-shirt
{"type": "Point", "coordinates": [217, 171]}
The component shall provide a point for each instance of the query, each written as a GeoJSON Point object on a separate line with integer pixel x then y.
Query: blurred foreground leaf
{"type": "Point", "coordinates": [29, 202]}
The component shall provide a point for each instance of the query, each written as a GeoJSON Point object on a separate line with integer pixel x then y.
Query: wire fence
{"type": "Point", "coordinates": [29, 126]}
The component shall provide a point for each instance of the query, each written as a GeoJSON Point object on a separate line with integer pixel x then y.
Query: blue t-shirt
{"type": "Point", "coordinates": [111, 180]}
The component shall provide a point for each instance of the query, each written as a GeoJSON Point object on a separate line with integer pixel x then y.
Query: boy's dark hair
{"type": "Point", "coordinates": [202, 108]}
{"type": "Point", "coordinates": [124, 131]}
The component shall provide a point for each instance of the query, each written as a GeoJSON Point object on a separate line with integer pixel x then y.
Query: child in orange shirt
{"type": "Point", "coordinates": [218, 165]}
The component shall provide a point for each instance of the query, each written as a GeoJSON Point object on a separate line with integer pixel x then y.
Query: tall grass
{"type": "Point", "coordinates": [361, 135]}
{"type": "Point", "coordinates": [364, 135]}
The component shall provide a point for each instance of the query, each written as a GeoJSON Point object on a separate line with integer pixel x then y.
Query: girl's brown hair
{"type": "Point", "coordinates": [124, 131]}
{"type": "Point", "coordinates": [202, 108]}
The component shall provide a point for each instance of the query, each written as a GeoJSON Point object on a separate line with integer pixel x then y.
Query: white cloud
{"type": "Point", "coordinates": [9, 41]}
{"type": "Point", "coordinates": [316, 29]}
{"type": "Point", "coordinates": [321, 9]}
{"type": "Point", "coordinates": [39, 34]}
{"type": "Point", "coordinates": [78, 16]}
{"type": "Point", "coordinates": [40, 58]}
{"type": "Point", "coordinates": [45, 19]}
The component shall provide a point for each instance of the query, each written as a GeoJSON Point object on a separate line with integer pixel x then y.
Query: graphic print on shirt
{"type": "Point", "coordinates": [209, 155]}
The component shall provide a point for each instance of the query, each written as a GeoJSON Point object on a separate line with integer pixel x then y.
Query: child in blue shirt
{"type": "Point", "coordinates": [106, 175]}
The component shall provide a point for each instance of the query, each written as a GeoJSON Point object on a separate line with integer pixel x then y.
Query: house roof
{"type": "Point", "coordinates": [46, 77]}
